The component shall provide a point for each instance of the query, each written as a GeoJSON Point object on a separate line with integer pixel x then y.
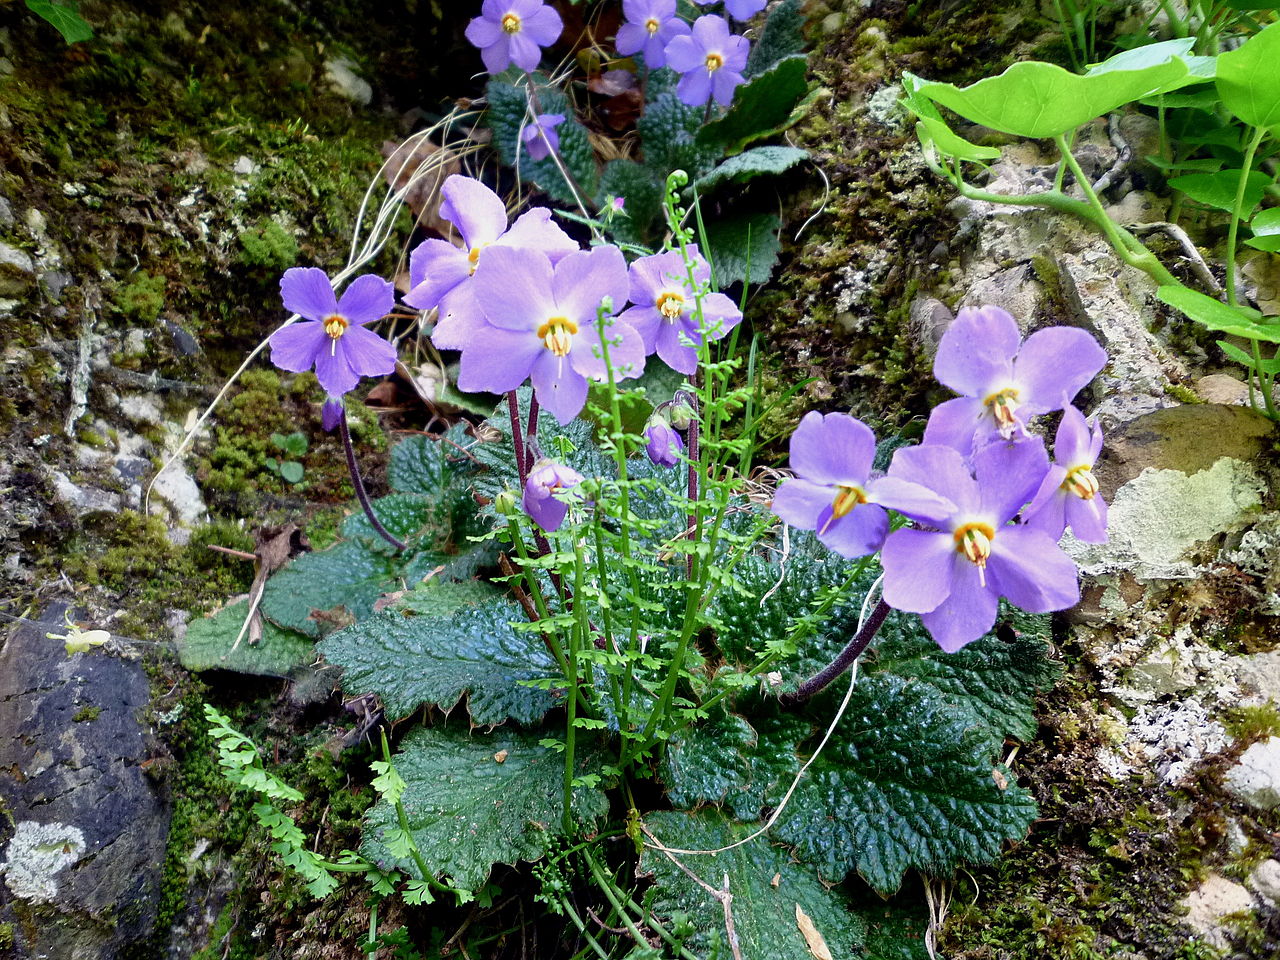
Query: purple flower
{"type": "Point", "coordinates": [332, 338]}
{"type": "Point", "coordinates": [1004, 381]}
{"type": "Point", "coordinates": [738, 9]}
{"type": "Point", "coordinates": [540, 137]}
{"type": "Point", "coordinates": [440, 273]}
{"type": "Point", "coordinates": [834, 493]}
{"type": "Point", "coordinates": [662, 444]}
{"type": "Point", "coordinates": [511, 31]}
{"type": "Point", "coordinates": [546, 493]}
{"type": "Point", "coordinates": [1069, 497]}
{"type": "Point", "coordinates": [331, 413]}
{"type": "Point", "coordinates": [541, 324]}
{"type": "Point", "coordinates": [650, 26]}
{"type": "Point", "coordinates": [711, 60]}
{"type": "Point", "coordinates": [954, 575]}
{"type": "Point", "coordinates": [663, 314]}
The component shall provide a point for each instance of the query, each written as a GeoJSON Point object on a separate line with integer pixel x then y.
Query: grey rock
{"type": "Point", "coordinates": [343, 81]}
{"type": "Point", "coordinates": [1265, 880]}
{"type": "Point", "coordinates": [132, 469]}
{"type": "Point", "coordinates": [17, 272]}
{"type": "Point", "coordinates": [7, 218]}
{"type": "Point", "coordinates": [143, 408]}
{"type": "Point", "coordinates": [1256, 778]}
{"type": "Point", "coordinates": [1223, 388]}
{"type": "Point", "coordinates": [86, 831]}
{"type": "Point", "coordinates": [1210, 904]}
{"type": "Point", "coordinates": [55, 282]}
{"type": "Point", "coordinates": [245, 167]}
{"type": "Point", "coordinates": [83, 500]}
{"type": "Point", "coordinates": [928, 321]}
{"type": "Point", "coordinates": [184, 343]}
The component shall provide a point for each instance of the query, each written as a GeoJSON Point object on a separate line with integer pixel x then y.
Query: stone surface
{"type": "Point", "coordinates": [1213, 901]}
{"type": "Point", "coordinates": [17, 272]}
{"type": "Point", "coordinates": [1265, 880]}
{"type": "Point", "coordinates": [83, 500]}
{"type": "Point", "coordinates": [71, 775]}
{"type": "Point", "coordinates": [1258, 677]}
{"type": "Point", "coordinates": [343, 80]}
{"type": "Point", "coordinates": [1173, 737]}
{"type": "Point", "coordinates": [1256, 778]}
{"type": "Point", "coordinates": [1222, 388]}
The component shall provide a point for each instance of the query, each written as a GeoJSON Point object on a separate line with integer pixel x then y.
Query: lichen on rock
{"type": "Point", "coordinates": [36, 854]}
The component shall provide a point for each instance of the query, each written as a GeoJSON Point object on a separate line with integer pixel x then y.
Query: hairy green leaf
{"type": "Point", "coordinates": [347, 575]}
{"type": "Point", "coordinates": [905, 783]}
{"type": "Point", "coordinates": [509, 112]}
{"type": "Point", "coordinates": [429, 465]}
{"type": "Point", "coordinates": [761, 107]}
{"type": "Point", "coordinates": [743, 247]}
{"type": "Point", "coordinates": [641, 188]}
{"type": "Point", "coordinates": [437, 659]}
{"type": "Point", "coordinates": [669, 138]}
{"type": "Point", "coordinates": [1249, 78]}
{"type": "Point", "coordinates": [760, 161]}
{"type": "Point", "coordinates": [767, 887]}
{"type": "Point", "coordinates": [208, 642]}
{"type": "Point", "coordinates": [473, 801]}
{"type": "Point", "coordinates": [782, 36]}
{"type": "Point", "coordinates": [708, 760]}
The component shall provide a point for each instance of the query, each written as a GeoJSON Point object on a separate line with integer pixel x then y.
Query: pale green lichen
{"type": "Point", "coordinates": [37, 853]}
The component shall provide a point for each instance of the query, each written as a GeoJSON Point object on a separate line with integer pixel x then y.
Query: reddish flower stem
{"type": "Point", "coordinates": [361, 494]}
{"type": "Point", "coordinates": [517, 437]}
{"type": "Point", "coordinates": [842, 662]}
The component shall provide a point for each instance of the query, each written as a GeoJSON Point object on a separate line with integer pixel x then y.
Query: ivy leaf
{"type": "Point", "coordinates": [758, 162]}
{"type": "Point", "coordinates": [473, 801]}
{"type": "Point", "coordinates": [783, 36]}
{"type": "Point", "coordinates": [906, 783]}
{"type": "Point", "coordinates": [63, 17]}
{"type": "Point", "coordinates": [761, 107]}
{"type": "Point", "coordinates": [1237, 321]}
{"type": "Point", "coordinates": [766, 884]}
{"type": "Point", "coordinates": [1218, 190]}
{"type": "Point", "coordinates": [743, 248]}
{"type": "Point", "coordinates": [469, 650]}
{"type": "Point", "coordinates": [208, 642]}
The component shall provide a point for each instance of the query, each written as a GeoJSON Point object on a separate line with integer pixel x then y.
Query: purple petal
{"type": "Point", "coordinates": [683, 54]}
{"type": "Point", "coordinates": [911, 499]}
{"type": "Point", "coordinates": [547, 512]}
{"type": "Point", "coordinates": [646, 321]}
{"type": "Point", "coordinates": [694, 88]}
{"type": "Point", "coordinates": [954, 423]}
{"type": "Point", "coordinates": [1073, 444]}
{"type": "Point", "coordinates": [536, 145]}
{"type": "Point", "coordinates": [497, 57]}
{"type": "Point", "coordinates": [435, 268]}
{"type": "Point", "coordinates": [367, 353]}
{"type": "Point", "coordinates": [1008, 474]}
{"type": "Point", "coordinates": [477, 212]}
{"type": "Point", "coordinates": [723, 82]}
{"type": "Point", "coordinates": [513, 288]}
{"type": "Point", "coordinates": [858, 533]}
{"type": "Point", "coordinates": [498, 360]}
{"type": "Point", "coordinates": [1047, 510]}
{"type": "Point", "coordinates": [940, 469]}
{"type": "Point", "coordinates": [334, 371]}
{"type": "Point", "coordinates": [331, 414]}
{"type": "Point", "coordinates": [626, 352]}
{"type": "Point", "coordinates": [744, 9]}
{"type": "Point", "coordinates": [1087, 518]}
{"type": "Point", "coordinates": [1053, 366]}
{"type": "Point", "coordinates": [650, 276]}
{"type": "Point", "coordinates": [366, 299]}
{"type": "Point", "coordinates": [918, 569]}
{"type": "Point", "coordinates": [1029, 568]}
{"type": "Point", "coordinates": [719, 315]}
{"type": "Point", "coordinates": [296, 347]}
{"type": "Point", "coordinates": [536, 230]}
{"type": "Point", "coordinates": [711, 32]}
{"type": "Point", "coordinates": [632, 38]}
{"type": "Point", "coordinates": [834, 448]}
{"type": "Point", "coordinates": [307, 292]}
{"type": "Point", "coordinates": [525, 53]}
{"type": "Point", "coordinates": [460, 321]}
{"type": "Point", "coordinates": [679, 356]}
{"type": "Point", "coordinates": [483, 33]}
{"type": "Point", "coordinates": [559, 387]}
{"type": "Point", "coordinates": [543, 27]}
{"type": "Point", "coordinates": [966, 615]}
{"type": "Point", "coordinates": [585, 278]}
{"type": "Point", "coordinates": [975, 355]}
{"type": "Point", "coordinates": [799, 502]}
{"type": "Point", "coordinates": [736, 51]}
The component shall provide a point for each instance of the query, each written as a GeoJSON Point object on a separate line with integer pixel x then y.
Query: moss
{"type": "Point", "coordinates": [86, 714]}
{"type": "Point", "coordinates": [1248, 725]}
{"type": "Point", "coordinates": [268, 246]}
{"type": "Point", "coordinates": [92, 438]}
{"type": "Point", "coordinates": [6, 936]}
{"type": "Point", "coordinates": [142, 298]}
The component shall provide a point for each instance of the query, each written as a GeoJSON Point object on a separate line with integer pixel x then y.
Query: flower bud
{"type": "Point", "coordinates": [662, 444]}
{"type": "Point", "coordinates": [543, 497]}
{"type": "Point", "coordinates": [504, 504]}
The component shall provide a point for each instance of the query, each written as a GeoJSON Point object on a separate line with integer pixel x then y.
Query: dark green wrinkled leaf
{"type": "Point", "coordinates": [1249, 78]}
{"type": "Point", "coordinates": [705, 762]}
{"type": "Point", "coordinates": [743, 247]}
{"type": "Point", "coordinates": [431, 466]}
{"type": "Point", "coordinates": [63, 17]}
{"type": "Point", "coordinates": [208, 642]}
{"type": "Point", "coordinates": [347, 575]}
{"type": "Point", "coordinates": [402, 514]}
{"type": "Point", "coordinates": [764, 915]}
{"type": "Point", "coordinates": [761, 107]}
{"type": "Point", "coordinates": [758, 162]}
{"type": "Point", "coordinates": [782, 36]}
{"type": "Point", "coordinates": [906, 783]}
{"type": "Point", "coordinates": [668, 136]}
{"type": "Point", "coordinates": [473, 801]}
{"type": "Point", "coordinates": [1217, 316]}
{"type": "Point", "coordinates": [507, 115]}
{"type": "Point", "coordinates": [1219, 189]}
{"type": "Point", "coordinates": [641, 188]}
{"type": "Point", "coordinates": [443, 598]}
{"type": "Point", "coordinates": [466, 650]}
{"type": "Point", "coordinates": [769, 772]}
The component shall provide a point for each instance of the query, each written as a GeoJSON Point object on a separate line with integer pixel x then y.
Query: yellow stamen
{"type": "Point", "coordinates": [1004, 407]}
{"type": "Point", "coordinates": [473, 257]}
{"type": "Point", "coordinates": [557, 333]}
{"type": "Point", "coordinates": [652, 25]}
{"type": "Point", "coordinates": [974, 541]}
{"type": "Point", "coordinates": [670, 304]}
{"type": "Point", "coordinates": [714, 62]}
{"type": "Point", "coordinates": [1081, 481]}
{"type": "Point", "coordinates": [511, 23]}
{"type": "Point", "coordinates": [848, 496]}
{"type": "Point", "coordinates": [335, 325]}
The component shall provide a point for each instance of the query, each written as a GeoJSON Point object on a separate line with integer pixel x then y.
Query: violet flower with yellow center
{"type": "Point", "coordinates": [513, 31]}
{"type": "Point", "coordinates": [650, 26]}
{"type": "Point", "coordinates": [332, 336]}
{"type": "Point", "coordinates": [664, 311]}
{"type": "Point", "coordinates": [710, 61]}
{"type": "Point", "coordinates": [1069, 495]}
{"type": "Point", "coordinates": [955, 573]}
{"type": "Point", "coordinates": [1004, 381]}
{"type": "Point", "coordinates": [547, 493]}
{"type": "Point", "coordinates": [834, 492]}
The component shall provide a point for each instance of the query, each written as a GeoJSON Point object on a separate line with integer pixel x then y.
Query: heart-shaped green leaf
{"type": "Point", "coordinates": [1249, 78]}
{"type": "Point", "coordinates": [1238, 321]}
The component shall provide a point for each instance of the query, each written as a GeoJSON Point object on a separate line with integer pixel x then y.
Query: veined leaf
{"type": "Point", "coordinates": [760, 106]}
{"type": "Point", "coordinates": [63, 17]}
{"type": "Point", "coordinates": [1238, 321]}
{"type": "Point", "coordinates": [1219, 189]}
{"type": "Point", "coordinates": [473, 801]}
{"type": "Point", "coordinates": [750, 164]}
{"type": "Point", "coordinates": [1270, 365]}
{"type": "Point", "coordinates": [1036, 99]}
{"type": "Point", "coordinates": [208, 642]}
{"type": "Point", "coordinates": [1249, 78]}
{"type": "Point", "coordinates": [744, 247]}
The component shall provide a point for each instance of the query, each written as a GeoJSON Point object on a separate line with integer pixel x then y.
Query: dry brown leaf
{"type": "Point", "coordinates": [816, 942]}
